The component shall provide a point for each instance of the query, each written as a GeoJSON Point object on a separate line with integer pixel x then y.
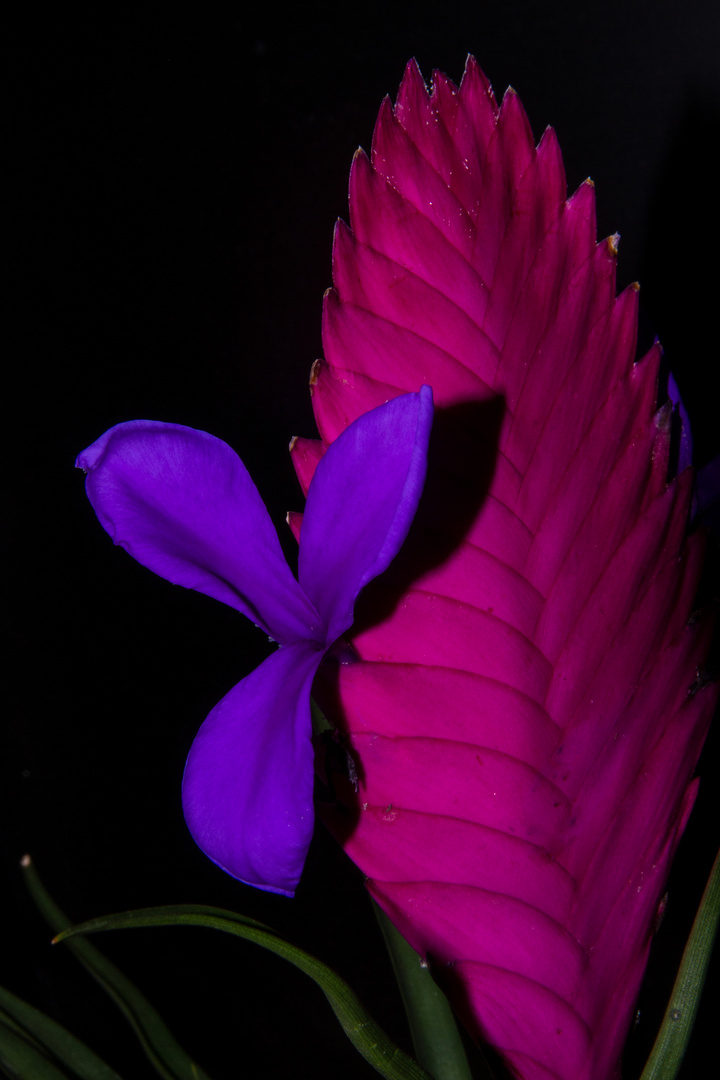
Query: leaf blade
{"type": "Point", "coordinates": [364, 1033]}
{"type": "Point", "coordinates": [44, 1032]}
{"type": "Point", "coordinates": [168, 1058]}
{"type": "Point", "coordinates": [672, 1040]}
{"type": "Point", "coordinates": [435, 1034]}
{"type": "Point", "coordinates": [21, 1059]}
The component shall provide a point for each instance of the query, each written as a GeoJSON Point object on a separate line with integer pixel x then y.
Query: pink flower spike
{"type": "Point", "coordinates": [524, 708]}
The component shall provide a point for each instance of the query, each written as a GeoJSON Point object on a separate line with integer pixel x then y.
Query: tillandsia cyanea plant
{"type": "Point", "coordinates": [521, 694]}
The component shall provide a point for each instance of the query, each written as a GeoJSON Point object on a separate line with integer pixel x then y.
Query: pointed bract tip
{"type": "Point", "coordinates": [439, 78]}
{"type": "Point", "coordinates": [294, 521]}
{"type": "Point", "coordinates": [474, 76]}
{"type": "Point", "coordinates": [411, 84]}
{"type": "Point", "coordinates": [315, 372]}
{"type": "Point", "coordinates": [412, 70]}
{"type": "Point", "coordinates": [635, 285]}
{"type": "Point", "coordinates": [337, 232]}
{"type": "Point", "coordinates": [360, 159]}
{"type": "Point", "coordinates": [589, 181]}
{"type": "Point", "coordinates": [663, 418]}
{"type": "Point", "coordinates": [472, 68]}
{"type": "Point", "coordinates": [385, 116]}
{"type": "Point", "coordinates": [291, 444]}
{"type": "Point", "coordinates": [613, 243]}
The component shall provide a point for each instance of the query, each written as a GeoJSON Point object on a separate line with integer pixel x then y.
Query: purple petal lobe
{"type": "Point", "coordinates": [248, 783]}
{"type": "Point", "coordinates": [181, 502]}
{"type": "Point", "coordinates": [361, 503]}
{"type": "Point", "coordinates": [685, 447]}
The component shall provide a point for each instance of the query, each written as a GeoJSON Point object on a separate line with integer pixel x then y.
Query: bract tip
{"type": "Point", "coordinates": [315, 372]}
{"type": "Point", "coordinates": [663, 418]}
{"type": "Point", "coordinates": [294, 520]}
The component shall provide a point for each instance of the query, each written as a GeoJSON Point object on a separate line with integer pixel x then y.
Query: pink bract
{"type": "Point", "coordinates": [521, 712]}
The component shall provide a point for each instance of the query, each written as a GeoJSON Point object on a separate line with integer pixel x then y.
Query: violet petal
{"type": "Point", "coordinates": [685, 439]}
{"type": "Point", "coordinates": [248, 783]}
{"type": "Point", "coordinates": [181, 502]}
{"type": "Point", "coordinates": [361, 504]}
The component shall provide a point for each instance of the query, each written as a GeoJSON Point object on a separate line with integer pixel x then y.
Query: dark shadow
{"type": "Point", "coordinates": [679, 279]}
{"type": "Point", "coordinates": [461, 464]}
{"type": "Point", "coordinates": [679, 270]}
{"type": "Point", "coordinates": [492, 1063]}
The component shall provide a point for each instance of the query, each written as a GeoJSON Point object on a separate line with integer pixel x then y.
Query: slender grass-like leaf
{"type": "Point", "coordinates": [45, 1035]}
{"type": "Point", "coordinates": [435, 1035]}
{"type": "Point", "coordinates": [163, 1051]}
{"type": "Point", "coordinates": [367, 1037]}
{"type": "Point", "coordinates": [672, 1040]}
{"type": "Point", "coordinates": [22, 1059]}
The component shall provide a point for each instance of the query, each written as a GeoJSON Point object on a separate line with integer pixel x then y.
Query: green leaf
{"type": "Point", "coordinates": [434, 1030]}
{"type": "Point", "coordinates": [672, 1040]}
{"type": "Point", "coordinates": [320, 722]}
{"type": "Point", "coordinates": [44, 1034]}
{"type": "Point", "coordinates": [367, 1037]}
{"type": "Point", "coordinates": [164, 1052]}
{"type": "Point", "coordinates": [21, 1058]}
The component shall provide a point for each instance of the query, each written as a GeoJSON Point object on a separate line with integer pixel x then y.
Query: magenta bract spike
{"type": "Point", "coordinates": [524, 709]}
{"type": "Point", "coordinates": [305, 455]}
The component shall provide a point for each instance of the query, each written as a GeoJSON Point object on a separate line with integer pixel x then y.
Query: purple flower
{"type": "Point", "coordinates": [182, 503]}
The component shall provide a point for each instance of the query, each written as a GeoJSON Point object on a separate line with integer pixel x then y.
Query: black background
{"type": "Point", "coordinates": [176, 175]}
